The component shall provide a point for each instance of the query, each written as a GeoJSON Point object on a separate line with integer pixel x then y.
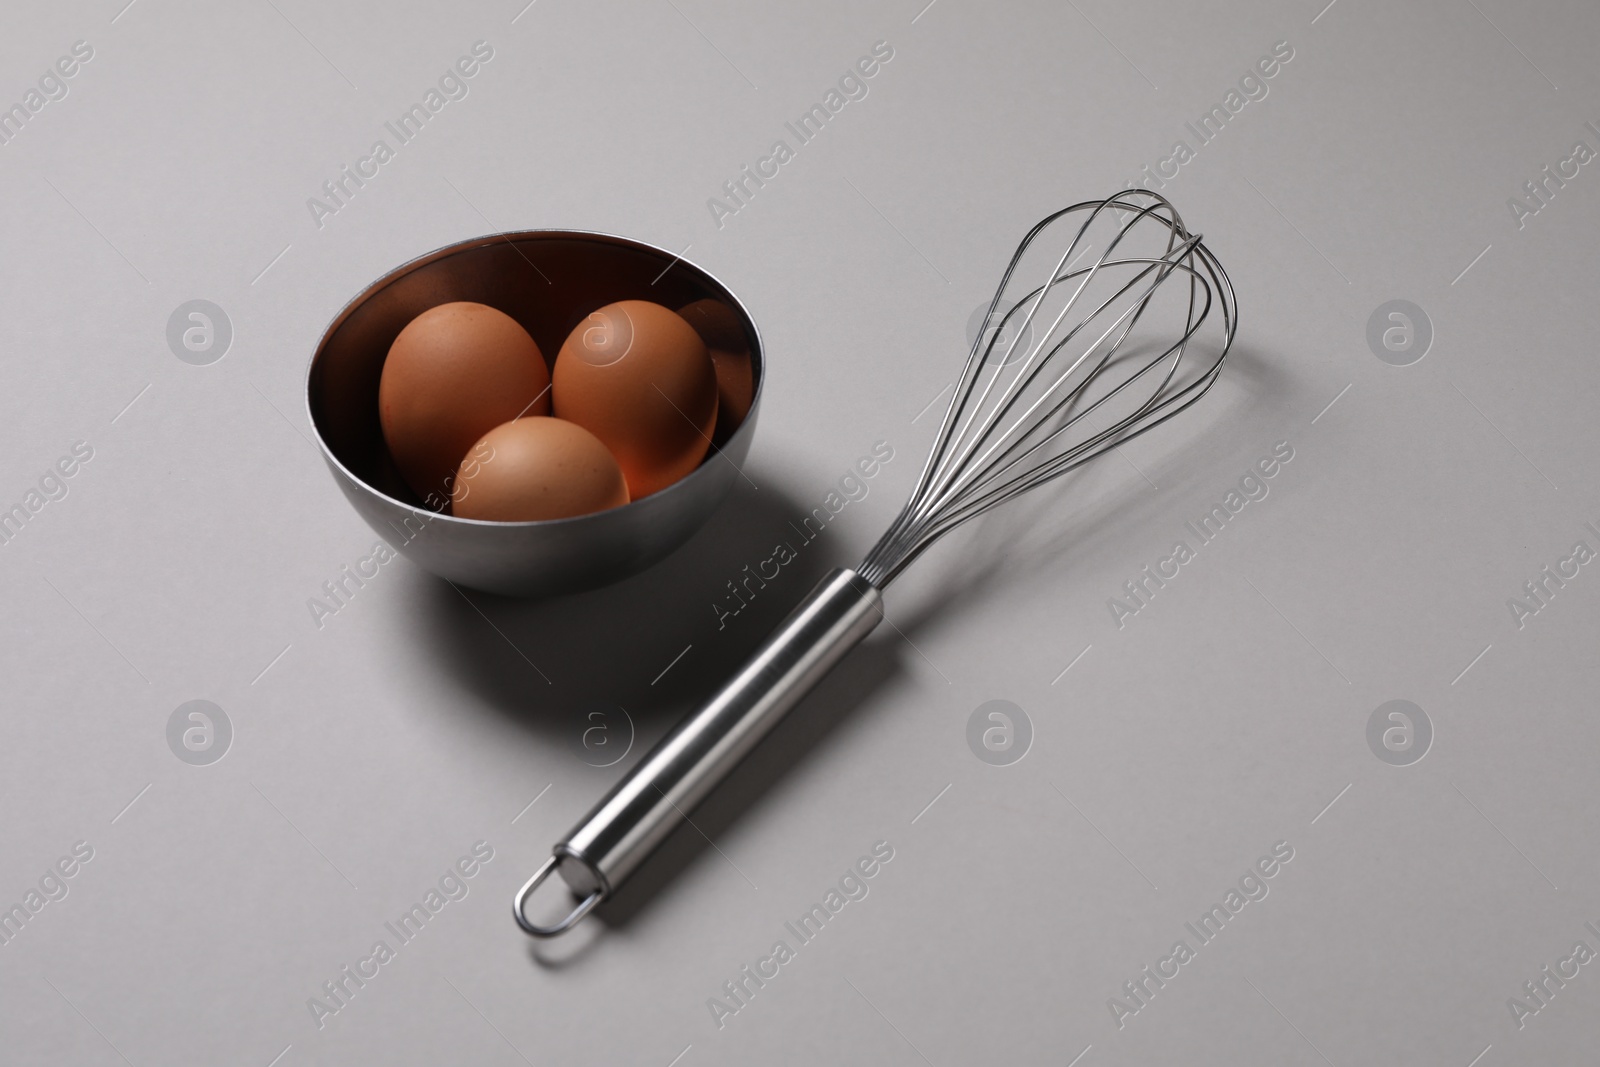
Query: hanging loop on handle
{"type": "Point", "coordinates": [533, 929]}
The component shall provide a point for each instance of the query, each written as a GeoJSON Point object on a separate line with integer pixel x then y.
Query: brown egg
{"type": "Point", "coordinates": [537, 468]}
{"type": "Point", "coordinates": [638, 377]}
{"type": "Point", "coordinates": [455, 372]}
{"type": "Point", "coordinates": [720, 328]}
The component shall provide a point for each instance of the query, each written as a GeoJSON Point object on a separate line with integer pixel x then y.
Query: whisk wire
{"type": "Point", "coordinates": [1007, 431]}
{"type": "Point", "coordinates": [963, 473]}
{"type": "Point", "coordinates": [936, 491]}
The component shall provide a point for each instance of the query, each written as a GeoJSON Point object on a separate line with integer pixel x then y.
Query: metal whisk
{"type": "Point", "coordinates": [1100, 350]}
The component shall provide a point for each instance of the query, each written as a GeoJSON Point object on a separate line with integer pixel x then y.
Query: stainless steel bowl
{"type": "Point", "coordinates": [547, 280]}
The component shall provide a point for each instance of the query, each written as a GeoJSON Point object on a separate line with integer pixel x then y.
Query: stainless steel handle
{"type": "Point", "coordinates": [621, 831]}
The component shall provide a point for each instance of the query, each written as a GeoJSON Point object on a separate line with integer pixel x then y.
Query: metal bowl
{"type": "Point", "coordinates": [548, 280]}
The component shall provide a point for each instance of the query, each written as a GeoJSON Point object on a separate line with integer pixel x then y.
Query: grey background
{"type": "Point", "coordinates": [370, 754]}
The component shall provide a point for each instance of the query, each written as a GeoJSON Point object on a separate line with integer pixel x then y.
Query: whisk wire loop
{"type": "Point", "coordinates": [1117, 359]}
